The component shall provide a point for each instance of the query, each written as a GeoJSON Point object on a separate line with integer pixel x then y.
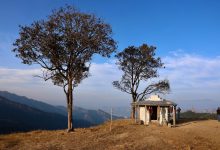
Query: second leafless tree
{"type": "Point", "coordinates": [139, 65]}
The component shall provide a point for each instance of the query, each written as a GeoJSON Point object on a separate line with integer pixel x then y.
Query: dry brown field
{"type": "Point", "coordinates": [125, 135]}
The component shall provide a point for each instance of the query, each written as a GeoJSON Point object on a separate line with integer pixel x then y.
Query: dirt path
{"type": "Point", "coordinates": [124, 135]}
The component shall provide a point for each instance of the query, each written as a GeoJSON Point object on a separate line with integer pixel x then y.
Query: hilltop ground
{"type": "Point", "coordinates": [124, 135]}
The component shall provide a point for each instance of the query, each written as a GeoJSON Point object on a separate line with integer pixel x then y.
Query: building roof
{"type": "Point", "coordinates": [155, 100]}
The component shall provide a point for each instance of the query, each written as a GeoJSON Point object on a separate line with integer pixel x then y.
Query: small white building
{"type": "Point", "coordinates": [155, 109]}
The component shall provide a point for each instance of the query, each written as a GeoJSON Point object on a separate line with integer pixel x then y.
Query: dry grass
{"type": "Point", "coordinates": [124, 135]}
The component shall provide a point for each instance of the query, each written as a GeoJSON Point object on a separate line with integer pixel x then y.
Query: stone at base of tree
{"type": "Point", "coordinates": [146, 124]}
{"type": "Point", "coordinates": [165, 123]}
{"type": "Point", "coordinates": [140, 122]}
{"type": "Point", "coordinates": [169, 125]}
{"type": "Point", "coordinates": [70, 130]}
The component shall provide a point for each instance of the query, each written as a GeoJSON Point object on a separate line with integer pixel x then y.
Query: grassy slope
{"type": "Point", "coordinates": [124, 135]}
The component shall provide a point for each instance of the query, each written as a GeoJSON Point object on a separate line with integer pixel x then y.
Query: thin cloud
{"type": "Point", "coordinates": [17, 76]}
{"type": "Point", "coordinates": [192, 77]}
{"type": "Point", "coordinates": [197, 71]}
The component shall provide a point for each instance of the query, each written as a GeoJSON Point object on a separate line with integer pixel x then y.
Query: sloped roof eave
{"type": "Point", "coordinates": [155, 103]}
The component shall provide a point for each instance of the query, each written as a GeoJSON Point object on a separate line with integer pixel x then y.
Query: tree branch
{"type": "Point", "coordinates": [160, 87]}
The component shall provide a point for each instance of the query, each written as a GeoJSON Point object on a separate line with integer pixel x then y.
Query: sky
{"type": "Point", "coordinates": [186, 34]}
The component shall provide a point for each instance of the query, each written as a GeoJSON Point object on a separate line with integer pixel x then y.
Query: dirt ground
{"type": "Point", "coordinates": [124, 135]}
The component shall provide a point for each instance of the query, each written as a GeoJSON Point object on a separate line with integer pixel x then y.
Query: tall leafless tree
{"type": "Point", "coordinates": [139, 65]}
{"type": "Point", "coordinates": [63, 46]}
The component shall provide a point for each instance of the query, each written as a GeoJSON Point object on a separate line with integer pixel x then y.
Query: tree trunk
{"type": "Point", "coordinates": [132, 112]}
{"type": "Point", "coordinates": [134, 96]}
{"type": "Point", "coordinates": [70, 107]}
{"type": "Point", "coordinates": [70, 121]}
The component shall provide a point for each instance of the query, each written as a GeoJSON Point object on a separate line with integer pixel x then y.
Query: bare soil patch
{"type": "Point", "coordinates": [124, 135]}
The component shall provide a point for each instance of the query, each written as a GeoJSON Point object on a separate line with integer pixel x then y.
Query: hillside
{"type": "Point", "coordinates": [95, 117]}
{"type": "Point", "coordinates": [88, 117]}
{"type": "Point", "coordinates": [32, 103]}
{"type": "Point", "coordinates": [196, 115]}
{"type": "Point", "coordinates": [19, 117]}
{"type": "Point", "coordinates": [125, 134]}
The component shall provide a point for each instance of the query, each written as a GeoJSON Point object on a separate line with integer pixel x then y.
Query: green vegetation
{"type": "Point", "coordinates": [193, 115]}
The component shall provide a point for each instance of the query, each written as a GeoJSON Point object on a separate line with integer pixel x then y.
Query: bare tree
{"type": "Point", "coordinates": [139, 65]}
{"type": "Point", "coordinates": [63, 45]}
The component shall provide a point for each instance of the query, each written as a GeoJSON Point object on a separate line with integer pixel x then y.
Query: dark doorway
{"type": "Point", "coordinates": [154, 113]}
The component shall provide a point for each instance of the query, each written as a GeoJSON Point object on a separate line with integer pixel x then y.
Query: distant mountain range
{"type": "Point", "coordinates": [195, 115]}
{"type": "Point", "coordinates": [19, 117]}
{"type": "Point", "coordinates": [19, 113]}
{"type": "Point", "coordinates": [32, 103]}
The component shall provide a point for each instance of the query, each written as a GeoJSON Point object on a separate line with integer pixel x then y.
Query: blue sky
{"type": "Point", "coordinates": [186, 34]}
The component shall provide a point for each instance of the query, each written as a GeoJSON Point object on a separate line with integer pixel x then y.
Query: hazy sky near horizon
{"type": "Point", "coordinates": [186, 34]}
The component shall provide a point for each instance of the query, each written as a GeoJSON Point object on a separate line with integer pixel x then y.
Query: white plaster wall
{"type": "Point", "coordinates": [155, 98]}
{"type": "Point", "coordinates": [142, 114]}
{"type": "Point", "coordinates": [166, 115]}
{"type": "Point", "coordinates": [148, 117]}
{"type": "Point", "coordinates": [163, 114]}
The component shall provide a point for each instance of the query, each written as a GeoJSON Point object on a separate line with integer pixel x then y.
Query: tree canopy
{"type": "Point", "coordinates": [140, 65]}
{"type": "Point", "coordinates": [63, 45]}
